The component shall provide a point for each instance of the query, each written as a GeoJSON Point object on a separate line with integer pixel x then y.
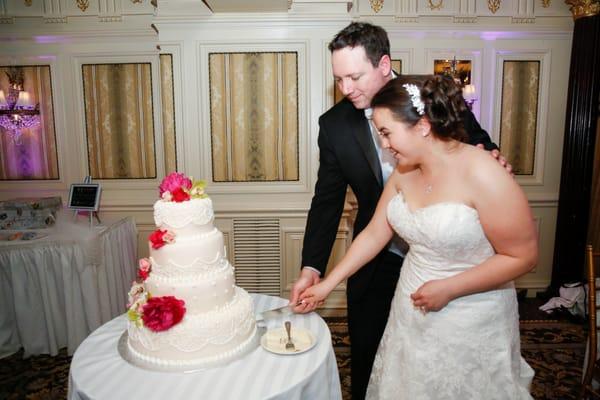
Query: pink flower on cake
{"type": "Point", "coordinates": [178, 195]}
{"type": "Point", "coordinates": [174, 181]}
{"type": "Point", "coordinates": [144, 268]}
{"type": "Point", "coordinates": [160, 237]}
{"type": "Point", "coordinates": [161, 313]}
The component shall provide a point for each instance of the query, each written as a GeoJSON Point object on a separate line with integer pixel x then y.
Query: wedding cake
{"type": "Point", "coordinates": [185, 312]}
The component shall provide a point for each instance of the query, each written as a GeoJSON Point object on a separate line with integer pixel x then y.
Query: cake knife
{"type": "Point", "coordinates": [276, 312]}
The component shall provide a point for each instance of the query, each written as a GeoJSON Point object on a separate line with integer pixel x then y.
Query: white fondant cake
{"type": "Point", "coordinates": [187, 313]}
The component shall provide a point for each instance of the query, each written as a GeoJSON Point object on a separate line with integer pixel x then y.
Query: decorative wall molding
{"type": "Point", "coordinates": [435, 4]}
{"type": "Point", "coordinates": [55, 20]}
{"type": "Point", "coordinates": [376, 5]}
{"type": "Point", "coordinates": [83, 4]}
{"type": "Point", "coordinates": [494, 5]}
{"type": "Point", "coordinates": [110, 18]}
{"type": "Point", "coordinates": [522, 20]}
{"type": "Point", "coordinates": [7, 20]}
{"type": "Point", "coordinates": [406, 20]}
{"type": "Point", "coordinates": [583, 8]}
{"type": "Point", "coordinates": [464, 20]}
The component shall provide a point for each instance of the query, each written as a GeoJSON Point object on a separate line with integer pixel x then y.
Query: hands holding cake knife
{"type": "Point", "coordinates": [307, 279]}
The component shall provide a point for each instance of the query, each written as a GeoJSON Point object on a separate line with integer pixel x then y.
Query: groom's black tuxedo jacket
{"type": "Point", "coordinates": [348, 157]}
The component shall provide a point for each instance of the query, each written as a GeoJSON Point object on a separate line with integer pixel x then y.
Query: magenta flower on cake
{"type": "Point", "coordinates": [174, 181]}
{"type": "Point", "coordinates": [144, 268]}
{"type": "Point", "coordinates": [160, 237]}
{"type": "Point", "coordinates": [161, 313]}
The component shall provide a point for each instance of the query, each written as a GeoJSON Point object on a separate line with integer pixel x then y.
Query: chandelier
{"type": "Point", "coordinates": [468, 89]}
{"type": "Point", "coordinates": [17, 111]}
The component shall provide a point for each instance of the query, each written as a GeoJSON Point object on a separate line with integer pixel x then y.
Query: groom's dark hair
{"type": "Point", "coordinates": [372, 38]}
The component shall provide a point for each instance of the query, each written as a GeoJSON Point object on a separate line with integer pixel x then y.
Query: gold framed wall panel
{"type": "Point", "coordinates": [34, 155]}
{"type": "Point", "coordinates": [254, 127]}
{"type": "Point", "coordinates": [119, 120]}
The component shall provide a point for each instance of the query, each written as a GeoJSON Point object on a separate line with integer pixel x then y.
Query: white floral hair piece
{"type": "Point", "coordinates": [415, 97]}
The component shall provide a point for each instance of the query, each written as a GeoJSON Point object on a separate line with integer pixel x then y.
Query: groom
{"type": "Point", "coordinates": [349, 154]}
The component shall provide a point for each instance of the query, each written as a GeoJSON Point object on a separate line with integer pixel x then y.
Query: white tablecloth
{"type": "Point", "coordinates": [55, 290]}
{"type": "Point", "coordinates": [99, 372]}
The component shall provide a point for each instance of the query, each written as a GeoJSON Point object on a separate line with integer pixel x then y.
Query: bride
{"type": "Point", "coordinates": [453, 328]}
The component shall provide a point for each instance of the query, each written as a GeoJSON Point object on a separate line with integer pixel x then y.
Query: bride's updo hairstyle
{"type": "Point", "coordinates": [441, 97]}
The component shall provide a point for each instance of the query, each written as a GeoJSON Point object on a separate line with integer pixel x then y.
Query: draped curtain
{"type": "Point", "coordinates": [254, 116]}
{"type": "Point", "coordinates": [119, 120]}
{"type": "Point", "coordinates": [518, 115]}
{"type": "Point", "coordinates": [34, 154]}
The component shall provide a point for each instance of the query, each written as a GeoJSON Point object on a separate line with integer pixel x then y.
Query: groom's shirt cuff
{"type": "Point", "coordinates": [313, 269]}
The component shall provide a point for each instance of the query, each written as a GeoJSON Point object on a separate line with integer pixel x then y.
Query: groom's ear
{"type": "Point", "coordinates": [385, 65]}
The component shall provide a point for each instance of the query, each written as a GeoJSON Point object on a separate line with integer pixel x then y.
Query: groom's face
{"type": "Point", "coordinates": [356, 77]}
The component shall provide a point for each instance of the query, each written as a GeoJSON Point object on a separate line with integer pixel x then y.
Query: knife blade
{"type": "Point", "coordinates": [276, 312]}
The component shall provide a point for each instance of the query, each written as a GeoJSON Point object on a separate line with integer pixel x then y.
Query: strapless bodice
{"type": "Point", "coordinates": [445, 238]}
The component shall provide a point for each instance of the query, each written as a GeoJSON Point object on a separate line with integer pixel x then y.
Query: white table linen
{"type": "Point", "coordinates": [57, 289]}
{"type": "Point", "coordinates": [98, 371]}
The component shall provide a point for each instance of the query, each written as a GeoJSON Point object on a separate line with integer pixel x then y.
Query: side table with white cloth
{"type": "Point", "coordinates": [57, 289]}
{"type": "Point", "coordinates": [99, 371]}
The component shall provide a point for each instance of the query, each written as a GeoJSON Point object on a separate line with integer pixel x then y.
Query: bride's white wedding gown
{"type": "Point", "coordinates": [468, 350]}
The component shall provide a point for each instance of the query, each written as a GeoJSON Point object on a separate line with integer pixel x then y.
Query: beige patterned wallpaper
{"type": "Point", "coordinates": [168, 111]}
{"type": "Point", "coordinates": [518, 115]}
{"type": "Point", "coordinates": [254, 116]}
{"type": "Point", "coordinates": [119, 120]}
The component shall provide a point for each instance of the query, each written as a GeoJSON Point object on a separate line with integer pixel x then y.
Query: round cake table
{"type": "Point", "coordinates": [98, 371]}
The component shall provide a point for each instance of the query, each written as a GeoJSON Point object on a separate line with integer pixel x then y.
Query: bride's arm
{"type": "Point", "coordinates": [509, 226]}
{"type": "Point", "coordinates": [364, 247]}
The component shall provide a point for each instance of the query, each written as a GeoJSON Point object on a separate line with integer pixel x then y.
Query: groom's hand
{"type": "Point", "coordinates": [307, 278]}
{"type": "Point", "coordinates": [499, 157]}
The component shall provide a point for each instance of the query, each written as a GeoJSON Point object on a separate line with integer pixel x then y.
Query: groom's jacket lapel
{"type": "Point", "coordinates": [363, 137]}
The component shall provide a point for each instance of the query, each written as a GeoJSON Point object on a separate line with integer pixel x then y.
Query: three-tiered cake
{"type": "Point", "coordinates": [187, 312]}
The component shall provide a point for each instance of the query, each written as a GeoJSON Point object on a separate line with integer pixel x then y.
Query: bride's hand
{"type": "Point", "coordinates": [431, 296]}
{"type": "Point", "coordinates": [315, 295]}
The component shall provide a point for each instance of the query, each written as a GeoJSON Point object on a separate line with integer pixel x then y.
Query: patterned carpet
{"type": "Point", "coordinates": [553, 347]}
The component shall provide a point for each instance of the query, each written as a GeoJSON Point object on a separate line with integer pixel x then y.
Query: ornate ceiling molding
{"type": "Point", "coordinates": [493, 5]}
{"type": "Point", "coordinates": [583, 8]}
{"type": "Point", "coordinates": [376, 5]}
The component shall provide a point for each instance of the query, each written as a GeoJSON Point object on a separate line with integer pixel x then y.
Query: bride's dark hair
{"type": "Point", "coordinates": [442, 100]}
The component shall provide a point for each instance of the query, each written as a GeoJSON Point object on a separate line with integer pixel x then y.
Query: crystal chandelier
{"type": "Point", "coordinates": [468, 89]}
{"type": "Point", "coordinates": [17, 111]}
